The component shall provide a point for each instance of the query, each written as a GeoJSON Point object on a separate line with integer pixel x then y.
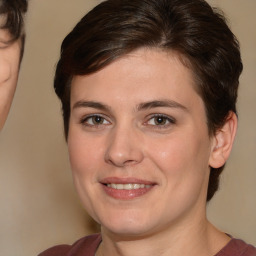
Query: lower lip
{"type": "Point", "coordinates": [124, 194]}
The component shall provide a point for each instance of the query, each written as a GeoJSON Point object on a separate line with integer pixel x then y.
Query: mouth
{"type": "Point", "coordinates": [129, 186]}
{"type": "Point", "coordinates": [126, 189]}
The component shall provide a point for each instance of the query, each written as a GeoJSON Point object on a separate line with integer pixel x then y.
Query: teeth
{"type": "Point", "coordinates": [128, 186]}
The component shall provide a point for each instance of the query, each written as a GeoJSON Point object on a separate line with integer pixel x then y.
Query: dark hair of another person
{"type": "Point", "coordinates": [197, 32]}
{"type": "Point", "coordinates": [12, 19]}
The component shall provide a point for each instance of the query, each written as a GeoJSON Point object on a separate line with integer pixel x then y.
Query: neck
{"type": "Point", "coordinates": [202, 239]}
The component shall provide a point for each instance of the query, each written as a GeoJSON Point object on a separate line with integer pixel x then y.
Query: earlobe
{"type": "Point", "coordinates": [223, 142]}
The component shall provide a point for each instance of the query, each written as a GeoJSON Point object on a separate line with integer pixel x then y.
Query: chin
{"type": "Point", "coordinates": [128, 227]}
{"type": "Point", "coordinates": [127, 231]}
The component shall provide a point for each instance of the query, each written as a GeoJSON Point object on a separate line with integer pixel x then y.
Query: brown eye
{"type": "Point", "coordinates": [95, 120]}
{"type": "Point", "coordinates": [160, 120]}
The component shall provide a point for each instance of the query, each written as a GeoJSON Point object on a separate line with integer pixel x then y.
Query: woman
{"type": "Point", "coordinates": [148, 91]}
{"type": "Point", "coordinates": [12, 37]}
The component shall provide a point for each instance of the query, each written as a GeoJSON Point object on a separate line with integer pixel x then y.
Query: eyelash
{"type": "Point", "coordinates": [84, 120]}
{"type": "Point", "coordinates": [165, 118]}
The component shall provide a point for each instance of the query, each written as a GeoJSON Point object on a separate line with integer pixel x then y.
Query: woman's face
{"type": "Point", "coordinates": [139, 145]}
{"type": "Point", "coordinates": [9, 70]}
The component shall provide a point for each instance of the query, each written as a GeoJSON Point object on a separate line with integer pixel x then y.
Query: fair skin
{"type": "Point", "coordinates": [9, 70]}
{"type": "Point", "coordinates": [140, 155]}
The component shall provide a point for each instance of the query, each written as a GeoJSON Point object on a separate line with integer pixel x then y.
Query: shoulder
{"type": "Point", "coordinates": [88, 244]}
{"type": "Point", "coordinates": [237, 247]}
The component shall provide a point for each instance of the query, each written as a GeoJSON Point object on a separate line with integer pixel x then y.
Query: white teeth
{"type": "Point", "coordinates": [128, 186]}
{"type": "Point", "coordinates": [119, 186]}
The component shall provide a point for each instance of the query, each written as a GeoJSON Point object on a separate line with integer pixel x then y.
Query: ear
{"type": "Point", "coordinates": [222, 141]}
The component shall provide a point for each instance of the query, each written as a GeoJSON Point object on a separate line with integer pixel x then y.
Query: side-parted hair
{"type": "Point", "coordinates": [12, 19]}
{"type": "Point", "coordinates": [194, 30]}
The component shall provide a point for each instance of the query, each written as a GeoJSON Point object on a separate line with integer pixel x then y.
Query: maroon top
{"type": "Point", "coordinates": [237, 247]}
{"type": "Point", "coordinates": [85, 246]}
{"type": "Point", "coordinates": [89, 244]}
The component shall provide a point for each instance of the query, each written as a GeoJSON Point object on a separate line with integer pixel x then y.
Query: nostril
{"type": "Point", "coordinates": [123, 151]}
{"type": "Point", "coordinates": [130, 162]}
{"type": "Point", "coordinates": [122, 162]}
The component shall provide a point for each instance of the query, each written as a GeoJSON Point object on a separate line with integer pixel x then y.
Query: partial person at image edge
{"type": "Point", "coordinates": [12, 39]}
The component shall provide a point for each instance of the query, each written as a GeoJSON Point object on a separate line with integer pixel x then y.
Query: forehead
{"type": "Point", "coordinates": [10, 47]}
{"type": "Point", "coordinates": [9, 31]}
{"type": "Point", "coordinates": [141, 62]}
{"type": "Point", "coordinates": [3, 19]}
{"type": "Point", "coordinates": [5, 36]}
{"type": "Point", "coordinates": [144, 73]}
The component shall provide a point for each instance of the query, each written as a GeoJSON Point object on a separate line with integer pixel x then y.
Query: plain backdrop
{"type": "Point", "coordinates": [39, 206]}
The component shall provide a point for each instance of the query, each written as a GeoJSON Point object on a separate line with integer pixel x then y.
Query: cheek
{"type": "Point", "coordinates": [169, 153]}
{"type": "Point", "coordinates": [5, 71]}
{"type": "Point", "coordinates": [183, 159]}
{"type": "Point", "coordinates": [83, 159]}
{"type": "Point", "coordinates": [84, 154]}
{"type": "Point", "coordinates": [183, 164]}
{"type": "Point", "coordinates": [9, 62]}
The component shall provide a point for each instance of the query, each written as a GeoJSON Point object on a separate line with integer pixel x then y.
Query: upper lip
{"type": "Point", "coordinates": [128, 180]}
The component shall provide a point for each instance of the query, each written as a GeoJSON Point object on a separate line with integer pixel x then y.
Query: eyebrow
{"type": "Point", "coordinates": [161, 103]}
{"type": "Point", "coordinates": [91, 104]}
{"type": "Point", "coordinates": [140, 107]}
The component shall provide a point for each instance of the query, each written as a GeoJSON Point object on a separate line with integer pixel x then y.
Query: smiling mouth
{"type": "Point", "coordinates": [125, 190]}
{"type": "Point", "coordinates": [129, 186]}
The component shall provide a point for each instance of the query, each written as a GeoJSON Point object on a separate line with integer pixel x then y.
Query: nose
{"type": "Point", "coordinates": [125, 147]}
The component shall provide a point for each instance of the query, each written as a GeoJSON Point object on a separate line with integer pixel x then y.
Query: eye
{"type": "Point", "coordinates": [160, 120]}
{"type": "Point", "coordinates": [94, 120]}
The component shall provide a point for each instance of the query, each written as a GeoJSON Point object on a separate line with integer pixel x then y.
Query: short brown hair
{"type": "Point", "coordinates": [193, 29]}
